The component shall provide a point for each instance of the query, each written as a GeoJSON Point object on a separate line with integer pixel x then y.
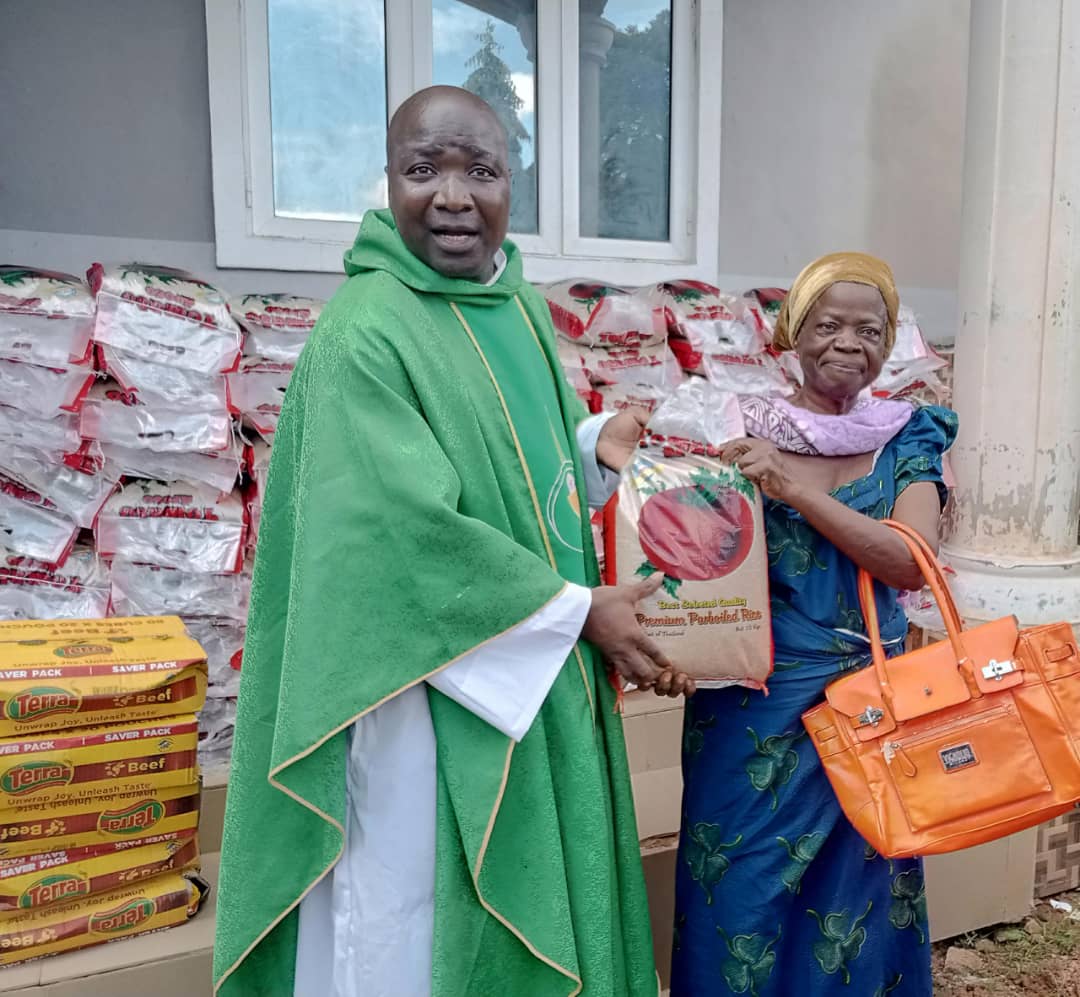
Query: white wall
{"type": "Point", "coordinates": [842, 129]}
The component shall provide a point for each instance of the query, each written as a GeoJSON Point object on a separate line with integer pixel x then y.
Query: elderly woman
{"type": "Point", "coordinates": [777, 895]}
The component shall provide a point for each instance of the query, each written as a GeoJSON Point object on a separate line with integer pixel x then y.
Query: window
{"type": "Point", "coordinates": [612, 116]}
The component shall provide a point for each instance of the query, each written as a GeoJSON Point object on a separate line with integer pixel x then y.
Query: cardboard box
{"type": "Point", "coordinates": [75, 631]}
{"type": "Point", "coordinates": [161, 814]}
{"type": "Point", "coordinates": [95, 764]}
{"type": "Point", "coordinates": [212, 812]}
{"type": "Point", "coordinates": [41, 880]}
{"type": "Point", "coordinates": [50, 683]}
{"type": "Point", "coordinates": [161, 902]}
{"type": "Point", "coordinates": [653, 731]}
{"type": "Point", "coordinates": [173, 963]}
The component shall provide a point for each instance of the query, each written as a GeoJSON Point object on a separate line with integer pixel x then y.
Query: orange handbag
{"type": "Point", "coordinates": [959, 742]}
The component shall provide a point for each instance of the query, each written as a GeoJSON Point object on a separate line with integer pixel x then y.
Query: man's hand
{"type": "Point", "coordinates": [619, 438]}
{"type": "Point", "coordinates": [613, 627]}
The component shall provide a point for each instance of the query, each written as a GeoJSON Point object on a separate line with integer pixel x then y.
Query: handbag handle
{"type": "Point", "coordinates": [935, 578]}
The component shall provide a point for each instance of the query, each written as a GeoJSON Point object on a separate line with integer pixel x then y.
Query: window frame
{"type": "Point", "coordinates": [250, 236]}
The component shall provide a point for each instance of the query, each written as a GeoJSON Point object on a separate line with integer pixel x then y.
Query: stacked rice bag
{"type": "Point", "coordinates": [613, 344]}
{"type": "Point", "coordinates": [46, 320]}
{"type": "Point", "coordinates": [175, 534]}
{"type": "Point", "coordinates": [276, 327]}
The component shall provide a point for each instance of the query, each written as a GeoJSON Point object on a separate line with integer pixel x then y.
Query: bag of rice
{"type": "Point", "coordinates": [189, 527]}
{"type": "Point", "coordinates": [704, 322]}
{"type": "Point", "coordinates": [31, 525]}
{"type": "Point", "coordinates": [164, 316]}
{"type": "Point", "coordinates": [45, 317]}
{"type": "Point", "coordinates": [114, 416]}
{"type": "Point", "coordinates": [34, 590]}
{"type": "Point", "coordinates": [151, 590]}
{"type": "Point", "coordinates": [164, 385]}
{"type": "Point", "coordinates": [57, 436]}
{"type": "Point", "coordinates": [604, 315]}
{"type": "Point", "coordinates": [681, 512]}
{"type": "Point", "coordinates": [223, 642]}
{"type": "Point", "coordinates": [652, 366]}
{"type": "Point", "coordinates": [217, 470]}
{"type": "Point", "coordinates": [257, 390]}
{"type": "Point", "coordinates": [617, 397]}
{"type": "Point", "coordinates": [77, 494]}
{"type": "Point", "coordinates": [44, 391]}
{"type": "Point", "coordinates": [276, 326]}
{"type": "Point", "coordinates": [760, 374]}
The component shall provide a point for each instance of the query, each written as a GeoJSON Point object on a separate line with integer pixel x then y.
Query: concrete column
{"type": "Point", "coordinates": [1012, 534]}
{"type": "Point", "coordinates": [595, 36]}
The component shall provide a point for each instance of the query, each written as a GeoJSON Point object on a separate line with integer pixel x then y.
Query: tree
{"type": "Point", "coordinates": [635, 130]}
{"type": "Point", "coordinates": [490, 79]}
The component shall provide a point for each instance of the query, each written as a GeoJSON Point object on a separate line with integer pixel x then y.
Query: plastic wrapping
{"type": "Point", "coordinates": [56, 436]}
{"type": "Point", "coordinates": [189, 527]}
{"type": "Point", "coordinates": [28, 527]}
{"type": "Point", "coordinates": [217, 722]}
{"type": "Point", "coordinates": [223, 642]}
{"type": "Point", "coordinates": [164, 385]}
{"type": "Point", "coordinates": [617, 397]}
{"type": "Point", "coordinates": [219, 471]}
{"type": "Point", "coordinates": [257, 390]}
{"type": "Point", "coordinates": [760, 374]}
{"type": "Point", "coordinates": [276, 326]}
{"type": "Point", "coordinates": [75, 494]}
{"type": "Point", "coordinates": [33, 590]}
{"type": "Point", "coordinates": [704, 321]}
{"type": "Point", "coordinates": [44, 391]}
{"type": "Point", "coordinates": [603, 315]}
{"type": "Point", "coordinates": [149, 590]}
{"type": "Point", "coordinates": [698, 412]}
{"type": "Point", "coordinates": [45, 317]}
{"type": "Point", "coordinates": [164, 316]}
{"type": "Point", "coordinates": [654, 366]}
{"type": "Point", "coordinates": [111, 415]}
{"type": "Point", "coordinates": [766, 302]}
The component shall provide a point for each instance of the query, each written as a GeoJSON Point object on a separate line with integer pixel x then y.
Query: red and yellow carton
{"type": "Point", "coordinates": [160, 814]}
{"type": "Point", "coordinates": [161, 902]}
{"type": "Point", "coordinates": [92, 764]}
{"type": "Point", "coordinates": [76, 631]}
{"type": "Point", "coordinates": [92, 675]}
{"type": "Point", "coordinates": [41, 880]}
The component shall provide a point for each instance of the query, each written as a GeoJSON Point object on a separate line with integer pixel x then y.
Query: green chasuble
{"type": "Point", "coordinates": [422, 500]}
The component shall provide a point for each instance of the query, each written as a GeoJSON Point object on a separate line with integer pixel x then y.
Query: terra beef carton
{"type": "Point", "coordinates": [60, 674]}
{"type": "Point", "coordinates": [161, 902]}
{"type": "Point", "coordinates": [35, 881]}
{"type": "Point", "coordinates": [91, 764]}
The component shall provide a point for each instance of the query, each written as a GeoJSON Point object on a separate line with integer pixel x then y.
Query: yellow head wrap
{"type": "Point", "coordinates": [818, 277]}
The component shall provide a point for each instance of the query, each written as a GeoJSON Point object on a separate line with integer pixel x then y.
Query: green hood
{"type": "Point", "coordinates": [379, 247]}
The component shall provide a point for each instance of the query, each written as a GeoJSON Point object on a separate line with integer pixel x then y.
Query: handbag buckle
{"type": "Point", "coordinates": [870, 717]}
{"type": "Point", "coordinates": [997, 670]}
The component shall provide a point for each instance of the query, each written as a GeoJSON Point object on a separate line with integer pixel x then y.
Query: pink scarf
{"type": "Point", "coordinates": [865, 429]}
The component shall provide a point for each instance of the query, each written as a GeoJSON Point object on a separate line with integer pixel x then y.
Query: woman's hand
{"type": "Point", "coordinates": [761, 463]}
